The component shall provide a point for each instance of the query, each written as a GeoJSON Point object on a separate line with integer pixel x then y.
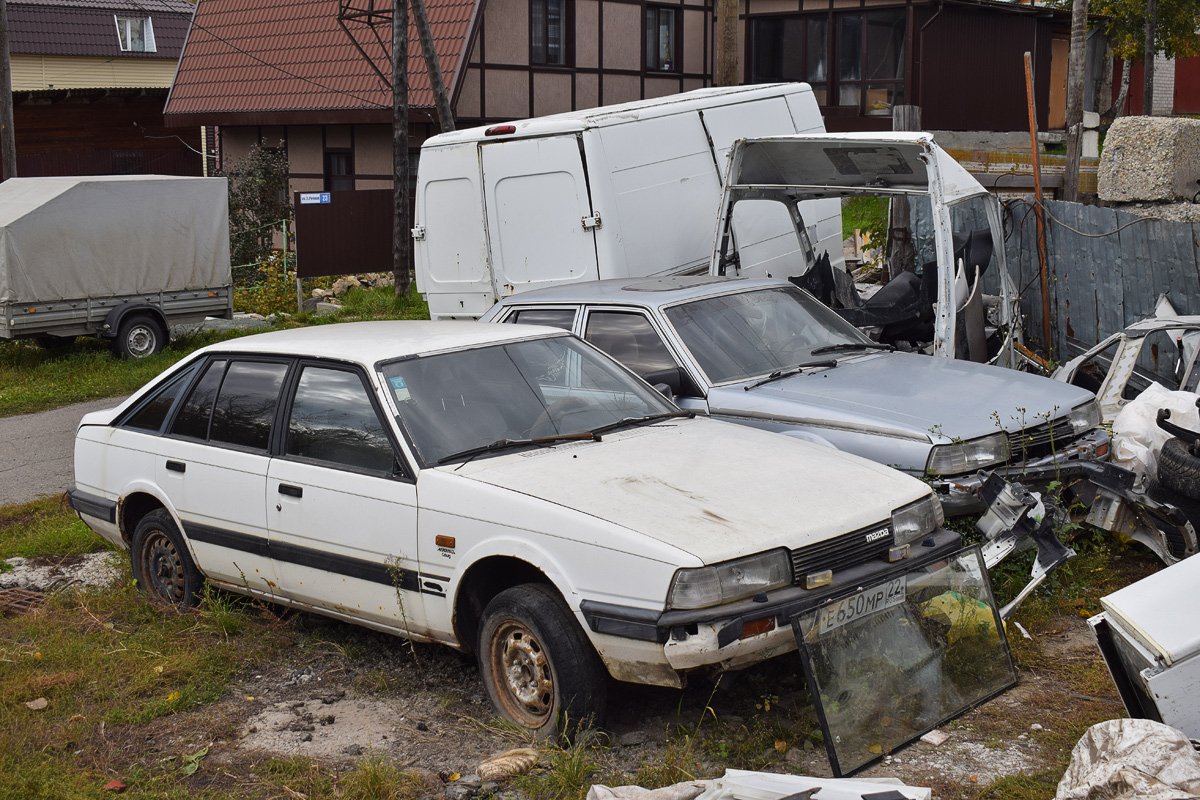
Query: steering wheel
{"type": "Point", "coordinates": [563, 407]}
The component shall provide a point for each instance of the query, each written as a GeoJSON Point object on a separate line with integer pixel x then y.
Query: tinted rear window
{"type": "Point", "coordinates": [246, 404]}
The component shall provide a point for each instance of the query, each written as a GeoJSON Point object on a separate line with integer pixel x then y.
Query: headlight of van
{"type": "Point", "coordinates": [732, 580]}
{"type": "Point", "coordinates": [915, 520]}
{"type": "Point", "coordinates": [968, 456]}
{"type": "Point", "coordinates": [1085, 417]}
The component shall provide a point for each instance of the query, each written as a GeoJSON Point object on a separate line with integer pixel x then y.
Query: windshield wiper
{"type": "Point", "coordinates": [796, 370]}
{"type": "Point", "coordinates": [505, 444]}
{"type": "Point", "coordinates": [837, 348]}
{"type": "Point", "coordinates": [647, 418]}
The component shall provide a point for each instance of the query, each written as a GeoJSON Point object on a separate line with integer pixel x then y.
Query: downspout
{"type": "Point", "coordinates": [920, 98]}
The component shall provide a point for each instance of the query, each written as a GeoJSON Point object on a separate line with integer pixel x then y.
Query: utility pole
{"type": "Point", "coordinates": [440, 99]}
{"type": "Point", "coordinates": [727, 58]}
{"type": "Point", "coordinates": [400, 220]}
{"type": "Point", "coordinates": [1075, 70]}
{"type": "Point", "coordinates": [8, 147]}
{"type": "Point", "coordinates": [1148, 60]}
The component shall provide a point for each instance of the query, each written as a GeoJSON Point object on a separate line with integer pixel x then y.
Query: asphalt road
{"type": "Point", "coordinates": [37, 451]}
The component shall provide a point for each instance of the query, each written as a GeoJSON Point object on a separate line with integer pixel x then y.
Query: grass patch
{"type": "Point", "coordinates": [45, 528]}
{"type": "Point", "coordinates": [33, 379]}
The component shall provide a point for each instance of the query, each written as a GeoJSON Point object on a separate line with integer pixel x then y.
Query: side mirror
{"type": "Point", "coordinates": [671, 377]}
{"type": "Point", "coordinates": [665, 391]}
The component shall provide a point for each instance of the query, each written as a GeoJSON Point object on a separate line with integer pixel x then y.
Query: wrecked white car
{"type": "Point", "coordinates": [950, 294]}
{"type": "Point", "coordinates": [509, 491]}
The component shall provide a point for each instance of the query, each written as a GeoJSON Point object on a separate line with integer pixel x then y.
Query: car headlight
{"type": "Point", "coordinates": [915, 520]}
{"type": "Point", "coordinates": [968, 456]}
{"type": "Point", "coordinates": [1085, 417]}
{"type": "Point", "coordinates": [732, 580]}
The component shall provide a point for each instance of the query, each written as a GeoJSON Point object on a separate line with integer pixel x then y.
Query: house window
{"type": "Point", "coordinates": [870, 62]}
{"type": "Point", "coordinates": [136, 34]}
{"type": "Point", "coordinates": [662, 39]}
{"type": "Point", "coordinates": [549, 25]}
{"type": "Point", "coordinates": [339, 170]}
{"type": "Point", "coordinates": [787, 49]}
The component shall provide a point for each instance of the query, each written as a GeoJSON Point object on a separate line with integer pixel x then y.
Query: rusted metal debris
{"type": "Point", "coordinates": [14, 602]}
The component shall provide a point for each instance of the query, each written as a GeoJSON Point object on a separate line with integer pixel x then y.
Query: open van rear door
{"type": "Point", "coordinates": [539, 216]}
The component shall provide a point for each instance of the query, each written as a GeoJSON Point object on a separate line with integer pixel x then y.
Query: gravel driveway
{"type": "Point", "coordinates": [37, 451]}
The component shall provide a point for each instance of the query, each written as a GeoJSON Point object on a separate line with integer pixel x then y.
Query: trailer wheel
{"type": "Point", "coordinates": [1178, 469]}
{"type": "Point", "coordinates": [140, 336]}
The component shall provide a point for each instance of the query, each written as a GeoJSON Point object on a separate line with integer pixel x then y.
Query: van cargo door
{"type": "Point", "coordinates": [539, 217]}
{"type": "Point", "coordinates": [449, 246]}
{"type": "Point", "coordinates": [767, 242]}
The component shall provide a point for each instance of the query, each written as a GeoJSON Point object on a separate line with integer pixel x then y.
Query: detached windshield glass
{"type": "Point", "coordinates": [453, 402]}
{"type": "Point", "coordinates": [750, 334]}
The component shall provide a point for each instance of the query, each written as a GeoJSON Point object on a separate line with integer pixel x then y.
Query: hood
{"type": "Point", "coordinates": [908, 395]}
{"type": "Point", "coordinates": [709, 488]}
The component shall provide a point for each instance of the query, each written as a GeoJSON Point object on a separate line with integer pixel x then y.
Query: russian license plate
{"type": "Point", "coordinates": [861, 605]}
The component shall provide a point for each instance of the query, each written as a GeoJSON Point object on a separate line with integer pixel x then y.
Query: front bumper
{"type": "Point", "coordinates": [717, 636]}
{"type": "Point", "coordinates": [960, 494]}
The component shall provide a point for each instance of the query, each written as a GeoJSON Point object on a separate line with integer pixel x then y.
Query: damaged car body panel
{"type": "Point", "coordinates": [938, 309]}
{"type": "Point", "coordinates": [764, 353]}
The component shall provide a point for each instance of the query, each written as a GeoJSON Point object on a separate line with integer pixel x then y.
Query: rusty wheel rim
{"type": "Point", "coordinates": [162, 568]}
{"type": "Point", "coordinates": [522, 675]}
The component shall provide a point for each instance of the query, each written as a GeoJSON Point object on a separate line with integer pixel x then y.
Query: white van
{"type": "Point", "coordinates": [628, 190]}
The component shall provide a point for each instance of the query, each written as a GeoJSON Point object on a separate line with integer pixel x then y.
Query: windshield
{"type": "Point", "coordinates": [745, 335]}
{"type": "Point", "coordinates": [452, 402]}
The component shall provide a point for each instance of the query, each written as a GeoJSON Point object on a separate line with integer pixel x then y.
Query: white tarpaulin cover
{"type": "Point", "coordinates": [1123, 759]}
{"type": "Point", "coordinates": [108, 235]}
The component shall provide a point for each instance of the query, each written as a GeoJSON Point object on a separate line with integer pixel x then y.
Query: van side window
{"type": "Point", "coordinates": [629, 337]}
{"type": "Point", "coordinates": [551, 317]}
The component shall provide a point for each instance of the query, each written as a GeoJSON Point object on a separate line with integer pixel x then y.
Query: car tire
{"type": "Point", "coordinates": [139, 336]}
{"type": "Point", "coordinates": [162, 565]}
{"type": "Point", "coordinates": [1190, 509]}
{"type": "Point", "coordinates": [538, 667]}
{"type": "Point", "coordinates": [1179, 470]}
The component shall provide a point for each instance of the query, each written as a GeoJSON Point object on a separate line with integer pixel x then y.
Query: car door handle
{"type": "Point", "coordinates": [292, 491]}
{"type": "Point", "coordinates": [177, 466]}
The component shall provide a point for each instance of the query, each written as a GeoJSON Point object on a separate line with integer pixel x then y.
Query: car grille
{"type": "Point", "coordinates": [841, 552]}
{"type": "Point", "coordinates": [1041, 440]}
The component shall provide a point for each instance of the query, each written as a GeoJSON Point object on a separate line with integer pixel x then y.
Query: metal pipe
{"type": "Point", "coordinates": [1037, 201]}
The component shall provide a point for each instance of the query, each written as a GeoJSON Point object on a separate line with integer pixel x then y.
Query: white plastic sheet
{"type": "Point", "coordinates": [743, 785]}
{"type": "Point", "coordinates": [1136, 435]}
{"type": "Point", "coordinates": [1123, 759]}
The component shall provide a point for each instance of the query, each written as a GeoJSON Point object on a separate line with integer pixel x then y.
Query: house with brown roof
{"type": "Point", "coordinates": [287, 72]}
{"type": "Point", "coordinates": [90, 78]}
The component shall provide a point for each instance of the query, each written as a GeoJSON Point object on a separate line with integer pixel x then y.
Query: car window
{"type": "Point", "coordinates": [629, 337]}
{"type": "Point", "coordinates": [245, 405]}
{"type": "Point", "coordinates": [749, 334]}
{"type": "Point", "coordinates": [451, 402]}
{"type": "Point", "coordinates": [332, 420]}
{"type": "Point", "coordinates": [553, 317]}
{"type": "Point", "coordinates": [153, 412]}
{"type": "Point", "coordinates": [193, 418]}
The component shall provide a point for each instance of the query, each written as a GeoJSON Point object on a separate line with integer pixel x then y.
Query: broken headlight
{"type": "Point", "coordinates": [911, 522]}
{"type": "Point", "coordinates": [968, 456]}
{"type": "Point", "coordinates": [732, 580]}
{"type": "Point", "coordinates": [1085, 417]}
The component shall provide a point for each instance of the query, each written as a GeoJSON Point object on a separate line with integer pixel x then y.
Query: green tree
{"type": "Point", "coordinates": [259, 203]}
{"type": "Point", "coordinates": [1175, 26]}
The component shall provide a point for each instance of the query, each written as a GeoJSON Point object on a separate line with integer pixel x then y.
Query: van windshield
{"type": "Point", "coordinates": [498, 395]}
{"type": "Point", "coordinates": [746, 335]}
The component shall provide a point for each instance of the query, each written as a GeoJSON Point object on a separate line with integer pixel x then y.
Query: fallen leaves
{"type": "Point", "coordinates": [37, 705]}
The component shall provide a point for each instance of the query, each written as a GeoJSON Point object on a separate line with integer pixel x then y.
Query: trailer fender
{"type": "Point", "coordinates": [112, 322]}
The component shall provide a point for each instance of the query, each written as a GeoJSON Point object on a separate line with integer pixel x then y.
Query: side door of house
{"type": "Point", "coordinates": [539, 215]}
{"type": "Point", "coordinates": [213, 466]}
{"type": "Point", "coordinates": [342, 503]}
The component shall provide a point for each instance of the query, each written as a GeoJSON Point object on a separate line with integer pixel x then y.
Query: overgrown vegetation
{"type": "Point", "coordinates": [34, 379]}
{"type": "Point", "coordinates": [866, 214]}
{"type": "Point", "coordinates": [259, 203]}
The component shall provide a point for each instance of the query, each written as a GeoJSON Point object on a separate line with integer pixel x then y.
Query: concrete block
{"type": "Point", "coordinates": [1150, 158]}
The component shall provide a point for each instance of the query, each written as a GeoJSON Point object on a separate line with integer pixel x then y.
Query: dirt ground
{"type": "Point", "coordinates": [423, 707]}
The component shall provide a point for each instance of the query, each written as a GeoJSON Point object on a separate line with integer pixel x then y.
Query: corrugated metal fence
{"type": "Point", "coordinates": [1106, 270]}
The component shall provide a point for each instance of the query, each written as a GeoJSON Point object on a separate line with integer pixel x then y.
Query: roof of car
{"type": "Point", "coordinates": [369, 342]}
{"type": "Point", "coordinates": [642, 291]}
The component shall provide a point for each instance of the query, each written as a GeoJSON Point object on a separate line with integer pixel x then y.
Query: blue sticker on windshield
{"type": "Point", "coordinates": [398, 383]}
